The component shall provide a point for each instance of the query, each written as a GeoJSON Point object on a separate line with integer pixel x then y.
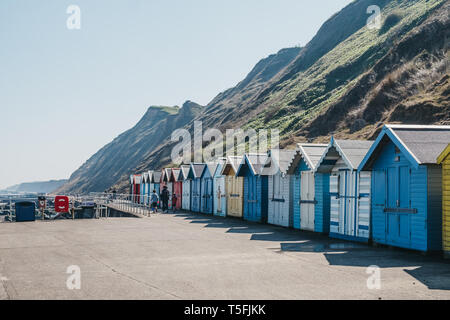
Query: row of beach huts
{"type": "Point", "coordinates": [393, 191]}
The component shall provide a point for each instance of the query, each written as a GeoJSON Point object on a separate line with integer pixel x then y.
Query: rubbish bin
{"type": "Point", "coordinates": [25, 211]}
{"type": "Point", "coordinates": [88, 211]}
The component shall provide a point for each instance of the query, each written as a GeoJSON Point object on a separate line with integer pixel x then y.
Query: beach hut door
{"type": "Point", "coordinates": [231, 189]}
{"type": "Point", "coordinates": [342, 189]}
{"type": "Point", "coordinates": [335, 203]}
{"type": "Point", "coordinates": [207, 201]}
{"type": "Point", "coordinates": [398, 206]}
{"type": "Point", "coordinates": [307, 201]}
{"type": "Point", "coordinates": [252, 197]}
{"type": "Point", "coordinates": [196, 195]}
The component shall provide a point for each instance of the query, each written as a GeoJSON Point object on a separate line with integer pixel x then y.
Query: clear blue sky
{"type": "Point", "coordinates": [66, 93]}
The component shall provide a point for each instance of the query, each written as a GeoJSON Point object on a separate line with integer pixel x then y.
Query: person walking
{"type": "Point", "coordinates": [165, 195]}
{"type": "Point", "coordinates": [174, 202]}
{"type": "Point", "coordinates": [154, 201]}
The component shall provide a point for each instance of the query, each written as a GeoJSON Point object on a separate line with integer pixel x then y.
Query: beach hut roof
{"type": "Point", "coordinates": [137, 178]}
{"type": "Point", "coordinates": [145, 177]}
{"type": "Point", "coordinates": [211, 168]}
{"type": "Point", "coordinates": [167, 173]}
{"type": "Point", "coordinates": [175, 174]}
{"type": "Point", "coordinates": [351, 151]}
{"type": "Point", "coordinates": [444, 155]}
{"type": "Point", "coordinates": [310, 153]}
{"type": "Point", "coordinates": [196, 170]}
{"type": "Point", "coordinates": [216, 166]}
{"type": "Point", "coordinates": [277, 160]}
{"type": "Point", "coordinates": [232, 162]}
{"type": "Point", "coordinates": [156, 177]}
{"type": "Point", "coordinates": [254, 162]}
{"type": "Point", "coordinates": [184, 172]}
{"type": "Point", "coordinates": [421, 145]}
{"type": "Point", "coordinates": [150, 176]}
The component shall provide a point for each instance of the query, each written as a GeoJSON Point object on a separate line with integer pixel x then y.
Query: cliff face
{"type": "Point", "coordinates": [117, 158]}
{"type": "Point", "coordinates": [346, 81]}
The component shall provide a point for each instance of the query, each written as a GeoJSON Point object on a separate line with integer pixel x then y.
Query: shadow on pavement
{"type": "Point", "coordinates": [433, 272]}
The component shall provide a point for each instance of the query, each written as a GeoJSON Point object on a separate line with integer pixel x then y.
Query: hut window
{"type": "Point", "coordinates": [397, 150]}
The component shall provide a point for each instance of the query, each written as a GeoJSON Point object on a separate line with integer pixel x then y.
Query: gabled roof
{"type": "Point", "coordinates": [145, 177]}
{"type": "Point", "coordinates": [308, 152]}
{"type": "Point", "coordinates": [209, 168]}
{"type": "Point", "coordinates": [351, 151]}
{"type": "Point", "coordinates": [421, 145]}
{"type": "Point", "coordinates": [150, 176]}
{"type": "Point", "coordinates": [278, 160]}
{"type": "Point", "coordinates": [174, 175]}
{"type": "Point", "coordinates": [252, 161]}
{"type": "Point", "coordinates": [137, 178]}
{"type": "Point", "coordinates": [156, 178]}
{"type": "Point", "coordinates": [444, 155]}
{"type": "Point", "coordinates": [167, 174]}
{"type": "Point", "coordinates": [232, 163]}
{"type": "Point", "coordinates": [184, 171]}
{"type": "Point", "coordinates": [196, 170]}
{"type": "Point", "coordinates": [215, 168]}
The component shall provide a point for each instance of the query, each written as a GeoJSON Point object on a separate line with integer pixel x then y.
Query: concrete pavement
{"type": "Point", "coordinates": [185, 256]}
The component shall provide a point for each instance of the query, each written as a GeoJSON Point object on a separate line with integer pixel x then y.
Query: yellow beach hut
{"type": "Point", "coordinates": [444, 160]}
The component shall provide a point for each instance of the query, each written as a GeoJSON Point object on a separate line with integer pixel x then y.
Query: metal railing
{"type": "Point", "coordinates": [138, 205]}
{"type": "Point", "coordinates": [101, 203]}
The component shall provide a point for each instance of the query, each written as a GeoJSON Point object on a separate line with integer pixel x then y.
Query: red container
{"type": "Point", "coordinates": [62, 204]}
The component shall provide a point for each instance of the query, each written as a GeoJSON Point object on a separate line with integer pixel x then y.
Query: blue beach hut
{"type": "Point", "coordinates": [407, 186]}
{"type": "Point", "coordinates": [207, 189]}
{"type": "Point", "coordinates": [150, 184]}
{"type": "Point", "coordinates": [349, 189]}
{"type": "Point", "coordinates": [255, 187]}
{"type": "Point", "coordinates": [195, 174]}
{"type": "Point", "coordinates": [311, 190]}
{"type": "Point", "coordinates": [143, 188]}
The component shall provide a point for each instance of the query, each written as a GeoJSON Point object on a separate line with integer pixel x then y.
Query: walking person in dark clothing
{"type": "Point", "coordinates": [165, 195]}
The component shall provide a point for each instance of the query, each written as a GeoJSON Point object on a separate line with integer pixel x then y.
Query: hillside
{"type": "Point", "coordinates": [346, 81]}
{"type": "Point", "coordinates": [397, 74]}
{"type": "Point", "coordinates": [35, 187]}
